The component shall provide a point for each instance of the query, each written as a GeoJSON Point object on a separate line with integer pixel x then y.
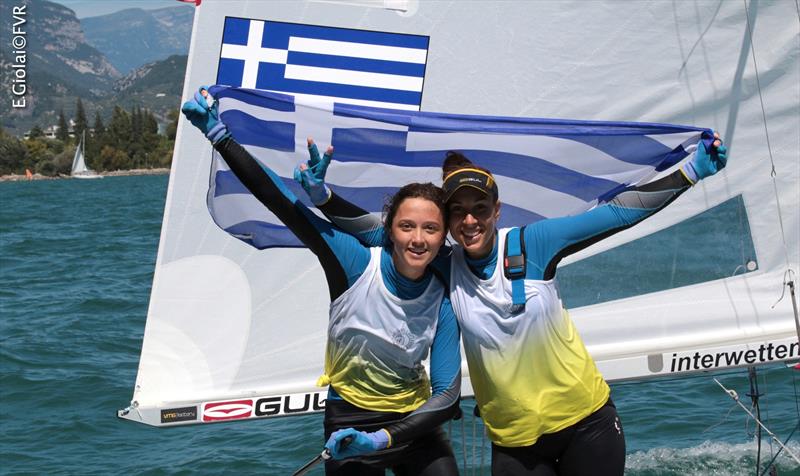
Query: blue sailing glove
{"type": "Point", "coordinates": [362, 443]}
{"type": "Point", "coordinates": [203, 113]}
{"type": "Point", "coordinates": [706, 163]}
{"type": "Point", "coordinates": [311, 174]}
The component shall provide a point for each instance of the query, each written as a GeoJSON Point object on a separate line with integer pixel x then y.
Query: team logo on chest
{"type": "Point", "coordinates": [402, 338]}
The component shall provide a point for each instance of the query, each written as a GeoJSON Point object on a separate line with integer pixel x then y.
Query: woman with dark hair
{"type": "Point", "coordinates": [388, 314]}
{"type": "Point", "coordinates": [546, 407]}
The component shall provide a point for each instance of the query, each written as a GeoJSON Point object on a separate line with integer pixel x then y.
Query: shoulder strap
{"type": "Point", "coordinates": [514, 267]}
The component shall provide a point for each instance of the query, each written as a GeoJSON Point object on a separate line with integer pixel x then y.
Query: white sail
{"type": "Point", "coordinates": [233, 332]}
{"type": "Point", "coordinates": [79, 168]}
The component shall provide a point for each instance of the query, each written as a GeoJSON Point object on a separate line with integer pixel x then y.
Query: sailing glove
{"type": "Point", "coordinates": [203, 113]}
{"type": "Point", "coordinates": [362, 443]}
{"type": "Point", "coordinates": [705, 162]}
{"type": "Point", "coordinates": [311, 174]}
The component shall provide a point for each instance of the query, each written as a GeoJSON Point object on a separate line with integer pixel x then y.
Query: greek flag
{"type": "Point", "coordinates": [544, 168]}
{"type": "Point", "coordinates": [370, 68]}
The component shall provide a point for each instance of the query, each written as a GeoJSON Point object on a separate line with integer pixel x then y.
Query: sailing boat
{"type": "Point", "coordinates": [224, 339]}
{"type": "Point", "coordinates": [79, 168]}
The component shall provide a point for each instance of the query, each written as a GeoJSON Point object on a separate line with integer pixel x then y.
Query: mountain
{"type": "Point", "coordinates": [61, 66]}
{"type": "Point", "coordinates": [134, 37]}
{"type": "Point", "coordinates": [156, 86]}
{"type": "Point", "coordinates": [58, 61]}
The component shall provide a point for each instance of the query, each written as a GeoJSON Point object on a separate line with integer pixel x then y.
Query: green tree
{"type": "Point", "coordinates": [114, 159]}
{"type": "Point", "coordinates": [62, 163]}
{"type": "Point", "coordinates": [81, 123]}
{"type": "Point", "coordinates": [99, 127]}
{"type": "Point", "coordinates": [119, 130]}
{"type": "Point", "coordinates": [13, 154]}
{"type": "Point", "coordinates": [40, 157]}
{"type": "Point", "coordinates": [36, 132]}
{"type": "Point", "coordinates": [62, 133]}
{"type": "Point", "coordinates": [150, 139]}
{"type": "Point", "coordinates": [172, 127]}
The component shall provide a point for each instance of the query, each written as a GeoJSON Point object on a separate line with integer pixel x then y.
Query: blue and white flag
{"type": "Point", "coordinates": [544, 168]}
{"type": "Point", "coordinates": [370, 68]}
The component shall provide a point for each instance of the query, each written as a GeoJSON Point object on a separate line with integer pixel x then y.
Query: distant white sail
{"type": "Point", "coordinates": [79, 168]}
{"type": "Point", "coordinates": [234, 332]}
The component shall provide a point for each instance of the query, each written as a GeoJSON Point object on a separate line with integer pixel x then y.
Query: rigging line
{"type": "Point", "coordinates": [735, 397]}
{"type": "Point", "coordinates": [790, 284]}
{"type": "Point", "coordinates": [796, 399]}
{"type": "Point", "coordinates": [754, 396]}
{"type": "Point", "coordinates": [766, 408]}
{"type": "Point", "coordinates": [769, 465]}
{"type": "Point", "coordinates": [700, 38]}
{"type": "Point", "coordinates": [766, 134]}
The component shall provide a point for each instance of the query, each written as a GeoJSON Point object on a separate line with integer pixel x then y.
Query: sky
{"type": "Point", "coordinates": [93, 8]}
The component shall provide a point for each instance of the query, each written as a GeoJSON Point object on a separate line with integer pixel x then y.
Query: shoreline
{"type": "Point", "coordinates": [113, 173]}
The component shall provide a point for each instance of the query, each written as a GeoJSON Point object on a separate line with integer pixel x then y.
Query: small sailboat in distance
{"type": "Point", "coordinates": [79, 168]}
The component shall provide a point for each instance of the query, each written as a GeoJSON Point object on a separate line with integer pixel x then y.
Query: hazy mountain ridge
{"type": "Point", "coordinates": [61, 65]}
{"type": "Point", "coordinates": [133, 37]}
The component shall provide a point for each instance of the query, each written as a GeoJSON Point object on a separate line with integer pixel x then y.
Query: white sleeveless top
{"type": "Point", "coordinates": [530, 372]}
{"type": "Point", "coordinates": [377, 342]}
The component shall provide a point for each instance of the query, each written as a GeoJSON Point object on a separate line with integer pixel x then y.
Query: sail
{"type": "Point", "coordinates": [236, 332]}
{"type": "Point", "coordinates": [78, 161]}
{"type": "Point", "coordinates": [79, 168]}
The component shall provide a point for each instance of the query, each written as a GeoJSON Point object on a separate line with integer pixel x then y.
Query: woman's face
{"type": "Point", "coordinates": [417, 233]}
{"type": "Point", "coordinates": [472, 221]}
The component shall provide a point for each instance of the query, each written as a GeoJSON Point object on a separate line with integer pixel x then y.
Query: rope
{"type": "Point", "coordinates": [773, 173]}
{"type": "Point", "coordinates": [735, 397]}
{"type": "Point", "coordinates": [766, 133]}
{"type": "Point", "coordinates": [754, 396]}
{"type": "Point", "coordinates": [769, 465]}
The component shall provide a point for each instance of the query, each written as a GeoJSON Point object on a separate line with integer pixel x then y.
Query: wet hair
{"type": "Point", "coordinates": [427, 191]}
{"type": "Point", "coordinates": [454, 161]}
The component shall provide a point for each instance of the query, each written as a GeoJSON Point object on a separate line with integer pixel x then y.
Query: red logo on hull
{"type": "Point", "coordinates": [196, 2]}
{"type": "Point", "coordinates": [232, 410]}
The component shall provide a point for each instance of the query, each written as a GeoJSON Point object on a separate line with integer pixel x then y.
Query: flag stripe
{"type": "Point", "coordinates": [377, 146]}
{"type": "Point", "coordinates": [253, 131]}
{"type": "Point", "coordinates": [375, 181]}
{"type": "Point", "coordinates": [271, 76]}
{"type": "Point", "coordinates": [358, 50]}
{"type": "Point", "coordinates": [356, 64]}
{"type": "Point", "coordinates": [353, 78]}
{"type": "Point", "coordinates": [277, 35]}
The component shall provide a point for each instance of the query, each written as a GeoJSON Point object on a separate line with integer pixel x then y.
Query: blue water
{"type": "Point", "coordinates": [76, 266]}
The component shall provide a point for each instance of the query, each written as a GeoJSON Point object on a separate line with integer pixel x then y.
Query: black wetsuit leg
{"type": "Point", "coordinates": [595, 446]}
{"type": "Point", "coordinates": [428, 455]}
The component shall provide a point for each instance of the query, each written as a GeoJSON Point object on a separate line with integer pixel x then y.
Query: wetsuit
{"type": "Point", "coordinates": [382, 326]}
{"type": "Point", "coordinates": [545, 404]}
